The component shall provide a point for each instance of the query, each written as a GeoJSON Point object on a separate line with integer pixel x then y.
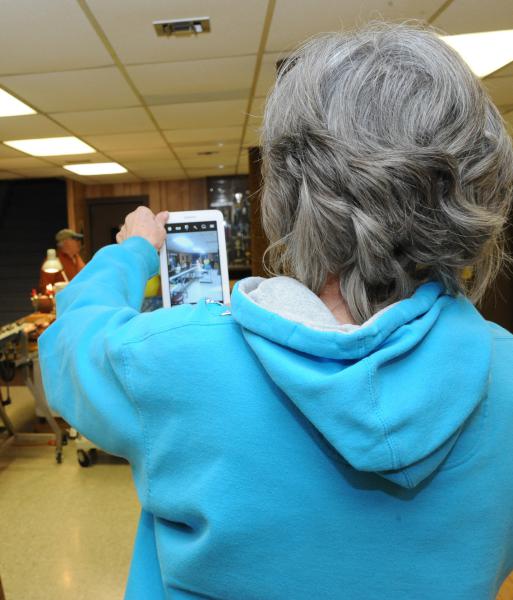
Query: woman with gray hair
{"type": "Point", "coordinates": [353, 439]}
{"type": "Point", "coordinates": [384, 156]}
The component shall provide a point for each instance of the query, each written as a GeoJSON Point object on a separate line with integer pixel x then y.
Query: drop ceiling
{"type": "Point", "coordinates": [175, 108]}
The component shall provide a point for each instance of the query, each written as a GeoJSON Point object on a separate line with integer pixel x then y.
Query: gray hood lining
{"type": "Point", "coordinates": [293, 301]}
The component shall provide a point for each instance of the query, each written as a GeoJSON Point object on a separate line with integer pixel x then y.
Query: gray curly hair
{"type": "Point", "coordinates": [386, 165]}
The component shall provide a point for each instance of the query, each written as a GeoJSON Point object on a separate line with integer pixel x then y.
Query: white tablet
{"type": "Point", "coordinates": [193, 261]}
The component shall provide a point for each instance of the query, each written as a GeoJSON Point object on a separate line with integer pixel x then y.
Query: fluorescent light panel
{"type": "Point", "coordinates": [12, 107]}
{"type": "Point", "coordinates": [108, 168]}
{"type": "Point", "coordinates": [484, 52]}
{"type": "Point", "coordinates": [57, 146]}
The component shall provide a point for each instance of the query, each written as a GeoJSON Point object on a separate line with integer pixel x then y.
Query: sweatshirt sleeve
{"type": "Point", "coordinates": [82, 353]}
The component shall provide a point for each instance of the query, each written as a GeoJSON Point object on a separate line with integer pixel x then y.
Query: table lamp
{"type": "Point", "coordinates": [52, 264]}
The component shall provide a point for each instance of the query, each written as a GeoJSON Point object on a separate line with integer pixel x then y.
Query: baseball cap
{"type": "Point", "coordinates": [65, 234]}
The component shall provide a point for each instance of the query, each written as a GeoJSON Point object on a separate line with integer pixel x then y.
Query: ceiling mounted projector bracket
{"type": "Point", "coordinates": [182, 27]}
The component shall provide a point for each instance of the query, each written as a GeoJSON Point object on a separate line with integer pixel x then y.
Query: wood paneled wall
{"type": "Point", "coordinates": [259, 241]}
{"type": "Point", "coordinates": [188, 194]}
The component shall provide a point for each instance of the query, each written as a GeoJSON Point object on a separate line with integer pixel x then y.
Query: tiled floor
{"type": "Point", "coordinates": [66, 532]}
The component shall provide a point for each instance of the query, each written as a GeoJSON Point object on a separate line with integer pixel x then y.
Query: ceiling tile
{"type": "Point", "coordinates": [200, 114]}
{"type": "Point", "coordinates": [252, 136]}
{"type": "Point", "coordinates": [210, 161]}
{"type": "Point", "coordinates": [184, 137]}
{"type": "Point", "coordinates": [28, 127]}
{"type": "Point", "coordinates": [141, 154]}
{"type": "Point", "coordinates": [196, 81]}
{"type": "Point", "coordinates": [506, 71]}
{"type": "Point", "coordinates": [235, 28]}
{"type": "Point", "coordinates": [509, 121]}
{"type": "Point", "coordinates": [243, 166]}
{"type": "Point", "coordinates": [48, 36]}
{"type": "Point", "coordinates": [267, 75]}
{"type": "Point", "coordinates": [212, 149]}
{"type": "Point", "coordinates": [28, 162]}
{"type": "Point", "coordinates": [157, 164]}
{"type": "Point", "coordinates": [37, 173]}
{"type": "Point", "coordinates": [5, 175]}
{"type": "Point", "coordinates": [470, 16]}
{"type": "Point", "coordinates": [6, 152]}
{"type": "Point", "coordinates": [72, 91]}
{"type": "Point", "coordinates": [126, 141]}
{"type": "Point", "coordinates": [291, 26]}
{"type": "Point", "coordinates": [500, 89]}
{"type": "Point", "coordinates": [257, 108]}
{"type": "Point", "coordinates": [156, 171]}
{"type": "Point", "coordinates": [209, 172]}
{"type": "Point", "coordinates": [94, 122]}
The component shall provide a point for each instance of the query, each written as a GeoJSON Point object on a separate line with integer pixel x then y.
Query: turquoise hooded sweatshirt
{"type": "Point", "coordinates": [278, 455]}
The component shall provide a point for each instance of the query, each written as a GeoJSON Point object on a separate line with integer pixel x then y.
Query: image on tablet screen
{"type": "Point", "coordinates": [194, 267]}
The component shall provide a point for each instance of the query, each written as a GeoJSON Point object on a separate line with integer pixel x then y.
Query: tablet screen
{"type": "Point", "coordinates": [192, 251]}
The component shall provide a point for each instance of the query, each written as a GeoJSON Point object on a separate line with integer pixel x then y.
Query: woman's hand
{"type": "Point", "coordinates": [143, 223]}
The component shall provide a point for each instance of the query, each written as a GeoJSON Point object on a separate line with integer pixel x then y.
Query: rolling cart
{"type": "Point", "coordinates": [15, 354]}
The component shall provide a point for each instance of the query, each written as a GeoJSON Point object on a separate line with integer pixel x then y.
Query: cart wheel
{"type": "Point", "coordinates": [58, 457]}
{"type": "Point", "coordinates": [83, 458]}
{"type": "Point", "coordinates": [93, 455]}
{"type": "Point", "coordinates": [72, 433]}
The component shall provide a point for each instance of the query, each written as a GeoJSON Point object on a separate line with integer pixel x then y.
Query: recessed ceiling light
{"type": "Point", "coordinates": [220, 144]}
{"type": "Point", "coordinates": [484, 52]}
{"type": "Point", "coordinates": [108, 168]}
{"type": "Point", "coordinates": [221, 166]}
{"type": "Point", "coordinates": [12, 107]}
{"type": "Point", "coordinates": [57, 146]}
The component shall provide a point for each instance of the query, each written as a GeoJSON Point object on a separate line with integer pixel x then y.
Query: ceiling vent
{"type": "Point", "coordinates": [182, 27]}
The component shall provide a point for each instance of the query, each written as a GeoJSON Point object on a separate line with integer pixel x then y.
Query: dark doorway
{"type": "Point", "coordinates": [31, 213]}
{"type": "Point", "coordinates": [106, 215]}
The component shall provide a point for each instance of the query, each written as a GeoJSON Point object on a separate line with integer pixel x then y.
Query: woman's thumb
{"type": "Point", "coordinates": [162, 217]}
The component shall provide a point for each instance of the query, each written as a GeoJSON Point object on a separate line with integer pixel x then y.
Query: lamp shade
{"type": "Point", "coordinates": [52, 264]}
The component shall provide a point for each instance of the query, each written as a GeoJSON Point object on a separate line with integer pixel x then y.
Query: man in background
{"type": "Point", "coordinates": [69, 244]}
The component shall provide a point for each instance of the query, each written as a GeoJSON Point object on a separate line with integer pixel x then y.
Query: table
{"type": "Point", "coordinates": [18, 350]}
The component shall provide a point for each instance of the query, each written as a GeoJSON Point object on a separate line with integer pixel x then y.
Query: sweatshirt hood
{"type": "Point", "coordinates": [390, 396]}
